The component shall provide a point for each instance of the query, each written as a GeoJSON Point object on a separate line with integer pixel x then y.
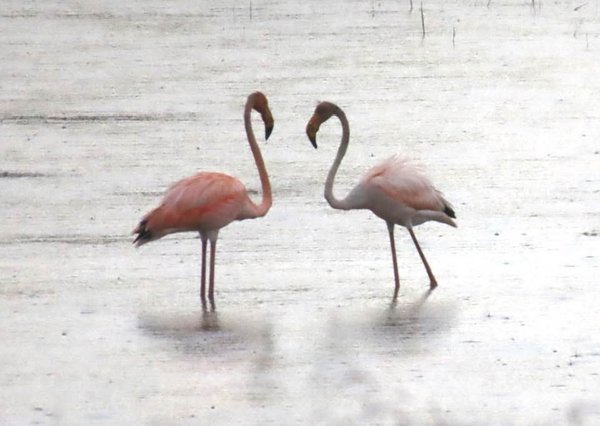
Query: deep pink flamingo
{"type": "Point", "coordinates": [209, 201]}
{"type": "Point", "coordinates": [394, 190]}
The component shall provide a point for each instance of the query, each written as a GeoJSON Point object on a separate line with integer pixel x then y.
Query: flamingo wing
{"type": "Point", "coordinates": [204, 201]}
{"type": "Point", "coordinates": [406, 184]}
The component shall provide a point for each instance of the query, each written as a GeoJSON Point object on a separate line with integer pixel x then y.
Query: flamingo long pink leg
{"type": "Point", "coordinates": [203, 272]}
{"type": "Point", "coordinates": [433, 283]}
{"type": "Point", "coordinates": [211, 282]}
{"type": "Point", "coordinates": [390, 226]}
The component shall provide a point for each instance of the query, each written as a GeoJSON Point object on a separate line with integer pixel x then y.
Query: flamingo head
{"type": "Point", "coordinates": [323, 112]}
{"type": "Point", "coordinates": [261, 105]}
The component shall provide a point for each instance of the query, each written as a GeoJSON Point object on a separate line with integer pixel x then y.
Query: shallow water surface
{"type": "Point", "coordinates": [104, 105]}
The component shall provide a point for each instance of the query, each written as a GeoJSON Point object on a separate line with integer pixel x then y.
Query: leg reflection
{"type": "Point", "coordinates": [406, 315]}
{"type": "Point", "coordinates": [209, 321]}
{"type": "Point", "coordinates": [414, 307]}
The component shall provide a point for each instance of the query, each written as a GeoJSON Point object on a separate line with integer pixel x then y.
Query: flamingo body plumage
{"type": "Point", "coordinates": [395, 190]}
{"type": "Point", "coordinates": [209, 201]}
{"type": "Point", "coordinates": [204, 202]}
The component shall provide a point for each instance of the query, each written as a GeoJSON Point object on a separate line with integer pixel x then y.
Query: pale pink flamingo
{"type": "Point", "coordinates": [208, 201]}
{"type": "Point", "coordinates": [395, 190]}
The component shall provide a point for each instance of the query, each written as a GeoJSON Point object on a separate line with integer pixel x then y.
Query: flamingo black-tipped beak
{"type": "Point", "coordinates": [311, 132]}
{"type": "Point", "coordinates": [313, 140]}
{"type": "Point", "coordinates": [268, 130]}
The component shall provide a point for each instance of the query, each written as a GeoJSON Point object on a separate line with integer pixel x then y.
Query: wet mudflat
{"type": "Point", "coordinates": [104, 105]}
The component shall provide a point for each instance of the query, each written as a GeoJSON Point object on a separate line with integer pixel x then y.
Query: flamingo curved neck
{"type": "Point", "coordinates": [331, 199]}
{"type": "Point", "coordinates": [265, 205]}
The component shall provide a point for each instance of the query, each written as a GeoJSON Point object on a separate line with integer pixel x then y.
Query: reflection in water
{"type": "Point", "coordinates": [404, 328]}
{"type": "Point", "coordinates": [406, 318]}
{"type": "Point", "coordinates": [209, 321]}
{"type": "Point", "coordinates": [207, 333]}
{"type": "Point", "coordinates": [264, 382]}
{"type": "Point", "coordinates": [414, 308]}
{"type": "Point", "coordinates": [358, 374]}
{"type": "Point", "coordinates": [230, 354]}
{"type": "Point", "coordinates": [341, 366]}
{"type": "Point", "coordinates": [165, 325]}
{"type": "Point", "coordinates": [582, 412]}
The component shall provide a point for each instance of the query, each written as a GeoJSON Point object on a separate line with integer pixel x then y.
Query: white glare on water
{"type": "Point", "coordinates": [105, 104]}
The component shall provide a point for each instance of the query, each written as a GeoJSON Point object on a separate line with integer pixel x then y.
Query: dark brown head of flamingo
{"type": "Point", "coordinates": [323, 112]}
{"type": "Point", "coordinates": [261, 105]}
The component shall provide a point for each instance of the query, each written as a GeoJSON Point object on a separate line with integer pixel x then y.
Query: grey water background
{"type": "Point", "coordinates": [104, 104]}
